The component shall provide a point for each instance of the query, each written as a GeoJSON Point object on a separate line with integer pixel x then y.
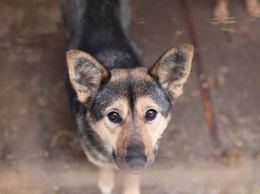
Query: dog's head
{"type": "Point", "coordinates": [130, 108]}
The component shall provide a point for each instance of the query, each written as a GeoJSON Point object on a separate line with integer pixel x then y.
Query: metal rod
{"type": "Point", "coordinates": [203, 84]}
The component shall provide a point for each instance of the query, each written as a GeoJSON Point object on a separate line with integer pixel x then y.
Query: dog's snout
{"type": "Point", "coordinates": [137, 161]}
{"type": "Point", "coordinates": [136, 158]}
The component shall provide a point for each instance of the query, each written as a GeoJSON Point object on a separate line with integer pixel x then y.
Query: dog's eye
{"type": "Point", "coordinates": [114, 117]}
{"type": "Point", "coordinates": [150, 114]}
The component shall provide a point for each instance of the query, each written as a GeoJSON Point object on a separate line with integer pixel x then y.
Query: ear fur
{"type": "Point", "coordinates": [173, 68]}
{"type": "Point", "coordinates": [85, 74]}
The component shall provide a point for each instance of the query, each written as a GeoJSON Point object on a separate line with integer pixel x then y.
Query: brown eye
{"type": "Point", "coordinates": [150, 114]}
{"type": "Point", "coordinates": [114, 117]}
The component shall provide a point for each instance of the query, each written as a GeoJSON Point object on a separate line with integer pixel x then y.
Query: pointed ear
{"type": "Point", "coordinates": [173, 68]}
{"type": "Point", "coordinates": [85, 74]}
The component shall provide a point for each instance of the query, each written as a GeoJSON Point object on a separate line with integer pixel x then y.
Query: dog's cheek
{"type": "Point", "coordinates": [110, 133]}
{"type": "Point", "coordinates": [156, 129]}
{"type": "Point", "coordinates": [99, 127]}
{"type": "Point", "coordinates": [102, 131]}
{"type": "Point", "coordinates": [162, 125]}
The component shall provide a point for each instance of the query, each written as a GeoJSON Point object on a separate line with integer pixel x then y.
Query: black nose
{"type": "Point", "coordinates": [136, 158]}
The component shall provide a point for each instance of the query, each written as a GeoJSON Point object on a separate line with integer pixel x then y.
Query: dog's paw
{"type": "Point", "coordinates": [106, 180]}
{"type": "Point", "coordinates": [105, 189]}
{"type": "Point", "coordinates": [221, 13]}
{"type": "Point", "coordinates": [106, 186]}
{"type": "Point", "coordinates": [132, 191]}
{"type": "Point", "coordinates": [132, 184]}
{"type": "Point", "coordinates": [254, 9]}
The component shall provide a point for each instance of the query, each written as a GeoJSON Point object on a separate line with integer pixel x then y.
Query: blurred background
{"type": "Point", "coordinates": [211, 150]}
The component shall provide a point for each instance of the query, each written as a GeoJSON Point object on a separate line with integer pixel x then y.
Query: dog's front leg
{"type": "Point", "coordinates": [106, 180]}
{"type": "Point", "coordinates": [221, 10]}
{"type": "Point", "coordinates": [132, 184]}
{"type": "Point", "coordinates": [253, 7]}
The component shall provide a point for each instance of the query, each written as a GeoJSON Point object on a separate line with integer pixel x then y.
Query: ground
{"type": "Point", "coordinates": [39, 152]}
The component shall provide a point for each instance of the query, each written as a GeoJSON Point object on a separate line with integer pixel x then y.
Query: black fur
{"type": "Point", "coordinates": [100, 28]}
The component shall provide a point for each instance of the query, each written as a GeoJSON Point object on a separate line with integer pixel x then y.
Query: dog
{"type": "Point", "coordinates": [120, 108]}
{"type": "Point", "coordinates": [221, 12]}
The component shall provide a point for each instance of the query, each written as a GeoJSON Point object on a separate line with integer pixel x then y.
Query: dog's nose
{"type": "Point", "coordinates": [136, 158]}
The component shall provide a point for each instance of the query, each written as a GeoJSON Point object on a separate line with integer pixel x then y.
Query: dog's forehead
{"type": "Point", "coordinates": [132, 83]}
{"type": "Point", "coordinates": [140, 73]}
{"type": "Point", "coordinates": [129, 85]}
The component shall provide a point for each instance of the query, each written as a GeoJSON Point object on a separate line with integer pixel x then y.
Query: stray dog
{"type": "Point", "coordinates": [120, 108]}
{"type": "Point", "coordinates": [221, 12]}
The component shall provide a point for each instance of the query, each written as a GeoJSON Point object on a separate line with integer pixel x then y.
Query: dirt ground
{"type": "Point", "coordinates": [39, 153]}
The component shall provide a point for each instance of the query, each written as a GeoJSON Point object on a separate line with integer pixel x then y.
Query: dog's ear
{"type": "Point", "coordinates": [173, 68]}
{"type": "Point", "coordinates": [85, 74]}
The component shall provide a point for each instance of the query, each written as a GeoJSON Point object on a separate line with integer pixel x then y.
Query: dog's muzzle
{"type": "Point", "coordinates": [136, 159]}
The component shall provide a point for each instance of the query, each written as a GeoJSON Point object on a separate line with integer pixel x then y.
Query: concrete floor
{"type": "Point", "coordinates": [38, 150]}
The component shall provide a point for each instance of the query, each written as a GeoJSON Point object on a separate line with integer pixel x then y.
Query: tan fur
{"type": "Point", "coordinates": [121, 74]}
{"type": "Point", "coordinates": [221, 10]}
{"type": "Point", "coordinates": [106, 180]}
{"type": "Point", "coordinates": [132, 184]}
{"type": "Point", "coordinates": [253, 7]}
